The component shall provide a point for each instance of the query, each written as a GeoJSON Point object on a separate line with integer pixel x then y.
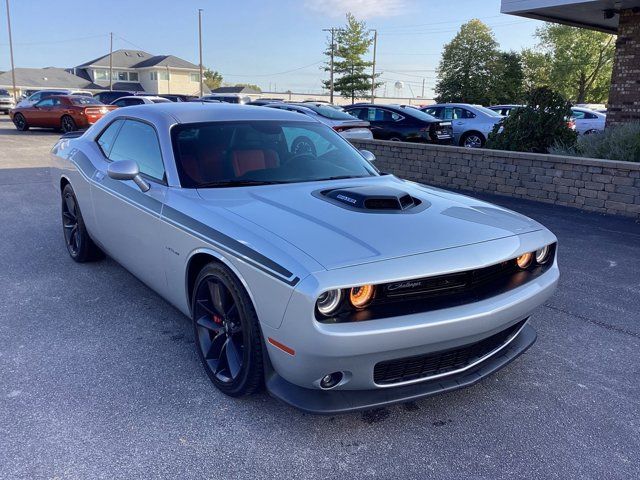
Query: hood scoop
{"type": "Point", "coordinates": [373, 199]}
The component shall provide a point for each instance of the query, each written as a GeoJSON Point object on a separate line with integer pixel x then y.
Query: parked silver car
{"type": "Point", "coordinates": [132, 100]}
{"type": "Point", "coordinates": [472, 124]}
{"type": "Point", "coordinates": [588, 121]}
{"type": "Point", "coordinates": [336, 286]}
{"type": "Point", "coordinates": [342, 122]}
{"type": "Point", "coordinates": [41, 95]}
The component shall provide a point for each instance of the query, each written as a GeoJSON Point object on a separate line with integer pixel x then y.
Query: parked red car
{"type": "Point", "coordinates": [63, 112]}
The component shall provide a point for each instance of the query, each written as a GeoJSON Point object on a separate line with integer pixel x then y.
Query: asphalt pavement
{"type": "Point", "coordinates": [99, 377]}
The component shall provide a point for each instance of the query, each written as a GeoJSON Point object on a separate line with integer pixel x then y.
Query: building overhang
{"type": "Point", "coordinates": [594, 14]}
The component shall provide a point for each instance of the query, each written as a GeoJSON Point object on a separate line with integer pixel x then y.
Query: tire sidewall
{"type": "Point", "coordinates": [72, 124]}
{"type": "Point", "coordinates": [24, 126]}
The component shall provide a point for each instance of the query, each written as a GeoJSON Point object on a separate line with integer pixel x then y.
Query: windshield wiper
{"type": "Point", "coordinates": [238, 183]}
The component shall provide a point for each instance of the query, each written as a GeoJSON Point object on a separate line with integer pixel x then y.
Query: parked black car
{"type": "Point", "coordinates": [109, 96]}
{"type": "Point", "coordinates": [402, 123]}
{"type": "Point", "coordinates": [265, 101]}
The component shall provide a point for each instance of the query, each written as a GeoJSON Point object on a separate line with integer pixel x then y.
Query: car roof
{"type": "Point", "coordinates": [196, 112]}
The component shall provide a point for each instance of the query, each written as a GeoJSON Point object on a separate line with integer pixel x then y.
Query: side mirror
{"type": "Point", "coordinates": [368, 156]}
{"type": "Point", "coordinates": [127, 170]}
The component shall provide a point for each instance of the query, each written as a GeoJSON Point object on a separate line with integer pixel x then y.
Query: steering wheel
{"type": "Point", "coordinates": [303, 145]}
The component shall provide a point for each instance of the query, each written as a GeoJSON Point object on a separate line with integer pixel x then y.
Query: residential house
{"type": "Point", "coordinates": [140, 71]}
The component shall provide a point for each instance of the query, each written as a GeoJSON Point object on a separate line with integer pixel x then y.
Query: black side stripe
{"type": "Point", "coordinates": [185, 223]}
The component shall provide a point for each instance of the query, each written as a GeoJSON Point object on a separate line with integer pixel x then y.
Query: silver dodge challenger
{"type": "Point", "coordinates": [304, 268]}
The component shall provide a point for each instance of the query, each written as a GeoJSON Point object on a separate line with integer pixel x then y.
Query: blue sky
{"type": "Point", "coordinates": [274, 43]}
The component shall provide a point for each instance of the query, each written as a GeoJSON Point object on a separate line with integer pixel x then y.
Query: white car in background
{"type": "Point", "coordinates": [472, 124]}
{"type": "Point", "coordinates": [138, 100]}
{"type": "Point", "coordinates": [342, 122]}
{"type": "Point", "coordinates": [588, 121]}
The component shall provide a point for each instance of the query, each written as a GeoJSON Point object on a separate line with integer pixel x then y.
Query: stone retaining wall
{"type": "Point", "coordinates": [603, 186]}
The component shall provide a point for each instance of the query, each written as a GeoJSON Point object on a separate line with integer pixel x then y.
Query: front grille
{"type": "Point", "coordinates": [440, 363]}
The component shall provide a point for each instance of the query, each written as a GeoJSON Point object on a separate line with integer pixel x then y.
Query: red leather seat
{"type": "Point", "coordinates": [249, 160]}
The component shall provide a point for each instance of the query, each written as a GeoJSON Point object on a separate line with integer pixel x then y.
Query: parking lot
{"type": "Point", "coordinates": [100, 377]}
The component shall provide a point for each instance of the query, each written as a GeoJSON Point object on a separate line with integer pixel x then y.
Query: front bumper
{"type": "Point", "coordinates": [329, 402]}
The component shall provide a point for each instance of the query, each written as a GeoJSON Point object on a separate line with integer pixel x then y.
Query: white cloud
{"type": "Point", "coordinates": [361, 9]}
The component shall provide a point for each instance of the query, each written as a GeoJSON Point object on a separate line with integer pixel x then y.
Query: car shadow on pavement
{"type": "Point", "coordinates": [6, 130]}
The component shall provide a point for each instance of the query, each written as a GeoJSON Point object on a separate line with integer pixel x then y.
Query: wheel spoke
{"type": "Point", "coordinates": [215, 349]}
{"type": "Point", "coordinates": [232, 312]}
{"type": "Point", "coordinates": [222, 359]}
{"type": "Point", "coordinates": [69, 216]}
{"type": "Point", "coordinates": [72, 236]}
{"type": "Point", "coordinates": [207, 323]}
{"type": "Point", "coordinates": [233, 358]}
{"type": "Point", "coordinates": [203, 304]}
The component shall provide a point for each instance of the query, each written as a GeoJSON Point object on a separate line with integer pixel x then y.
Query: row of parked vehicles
{"type": "Point", "coordinates": [452, 123]}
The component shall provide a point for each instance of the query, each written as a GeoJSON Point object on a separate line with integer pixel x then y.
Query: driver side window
{"type": "Point", "coordinates": [47, 102]}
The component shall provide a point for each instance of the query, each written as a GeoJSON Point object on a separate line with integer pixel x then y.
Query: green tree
{"type": "Point", "coordinates": [581, 61]}
{"type": "Point", "coordinates": [536, 69]}
{"type": "Point", "coordinates": [351, 77]}
{"type": "Point", "coordinates": [467, 67]}
{"type": "Point", "coordinates": [508, 79]}
{"type": "Point", "coordinates": [537, 126]}
{"type": "Point", "coordinates": [212, 79]}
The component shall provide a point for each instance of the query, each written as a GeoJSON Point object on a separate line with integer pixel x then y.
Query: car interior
{"type": "Point", "coordinates": [238, 152]}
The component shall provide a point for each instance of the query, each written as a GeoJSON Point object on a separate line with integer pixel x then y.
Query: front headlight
{"type": "Point", "coordinates": [360, 297]}
{"type": "Point", "coordinates": [524, 260]}
{"type": "Point", "coordinates": [329, 301]}
{"type": "Point", "coordinates": [542, 255]}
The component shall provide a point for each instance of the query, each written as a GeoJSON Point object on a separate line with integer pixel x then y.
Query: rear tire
{"type": "Point", "coordinates": [472, 140]}
{"type": "Point", "coordinates": [67, 124]}
{"type": "Point", "coordinates": [227, 332]}
{"type": "Point", "coordinates": [79, 244]}
{"type": "Point", "coordinates": [20, 122]}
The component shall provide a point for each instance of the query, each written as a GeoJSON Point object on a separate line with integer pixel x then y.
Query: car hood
{"type": "Point", "coordinates": [335, 236]}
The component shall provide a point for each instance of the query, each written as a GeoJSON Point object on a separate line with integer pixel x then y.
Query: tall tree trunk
{"type": "Point", "coordinates": [582, 88]}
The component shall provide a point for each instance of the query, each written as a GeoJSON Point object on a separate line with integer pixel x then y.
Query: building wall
{"type": "Point", "coordinates": [603, 186]}
{"type": "Point", "coordinates": [624, 99]}
{"type": "Point", "coordinates": [179, 82]}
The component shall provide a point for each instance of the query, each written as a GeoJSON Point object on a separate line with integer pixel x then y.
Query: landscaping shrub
{"type": "Point", "coordinates": [617, 142]}
{"type": "Point", "coordinates": [537, 126]}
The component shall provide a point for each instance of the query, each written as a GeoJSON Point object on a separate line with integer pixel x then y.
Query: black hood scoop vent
{"type": "Point", "coordinates": [373, 199]}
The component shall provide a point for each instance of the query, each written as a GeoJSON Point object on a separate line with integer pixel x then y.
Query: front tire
{"type": "Point", "coordinates": [79, 244]}
{"type": "Point", "coordinates": [20, 122]}
{"type": "Point", "coordinates": [67, 124]}
{"type": "Point", "coordinates": [227, 332]}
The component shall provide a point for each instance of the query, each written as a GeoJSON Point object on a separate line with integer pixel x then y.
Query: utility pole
{"type": "Point", "coordinates": [200, 47]}
{"type": "Point", "coordinates": [111, 61]}
{"type": "Point", "coordinates": [422, 88]}
{"type": "Point", "coordinates": [333, 32]}
{"type": "Point", "coordinates": [373, 74]}
{"type": "Point", "coordinates": [13, 68]}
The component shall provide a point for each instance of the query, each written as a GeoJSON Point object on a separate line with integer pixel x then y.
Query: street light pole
{"type": "Point", "coordinates": [13, 69]}
{"type": "Point", "coordinates": [111, 61]}
{"type": "Point", "coordinates": [373, 74]}
{"type": "Point", "coordinates": [333, 32]}
{"type": "Point", "coordinates": [200, 48]}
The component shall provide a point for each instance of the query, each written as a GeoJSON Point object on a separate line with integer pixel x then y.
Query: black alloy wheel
{"type": "Point", "coordinates": [67, 124]}
{"type": "Point", "coordinates": [77, 240]}
{"type": "Point", "coordinates": [227, 333]}
{"type": "Point", "coordinates": [20, 122]}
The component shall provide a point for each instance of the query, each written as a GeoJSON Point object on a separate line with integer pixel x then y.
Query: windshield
{"type": "Point", "coordinates": [3, 92]}
{"type": "Point", "coordinates": [222, 154]}
{"type": "Point", "coordinates": [329, 112]}
{"type": "Point", "coordinates": [80, 100]}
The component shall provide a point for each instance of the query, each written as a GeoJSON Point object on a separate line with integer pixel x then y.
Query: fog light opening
{"type": "Point", "coordinates": [331, 380]}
